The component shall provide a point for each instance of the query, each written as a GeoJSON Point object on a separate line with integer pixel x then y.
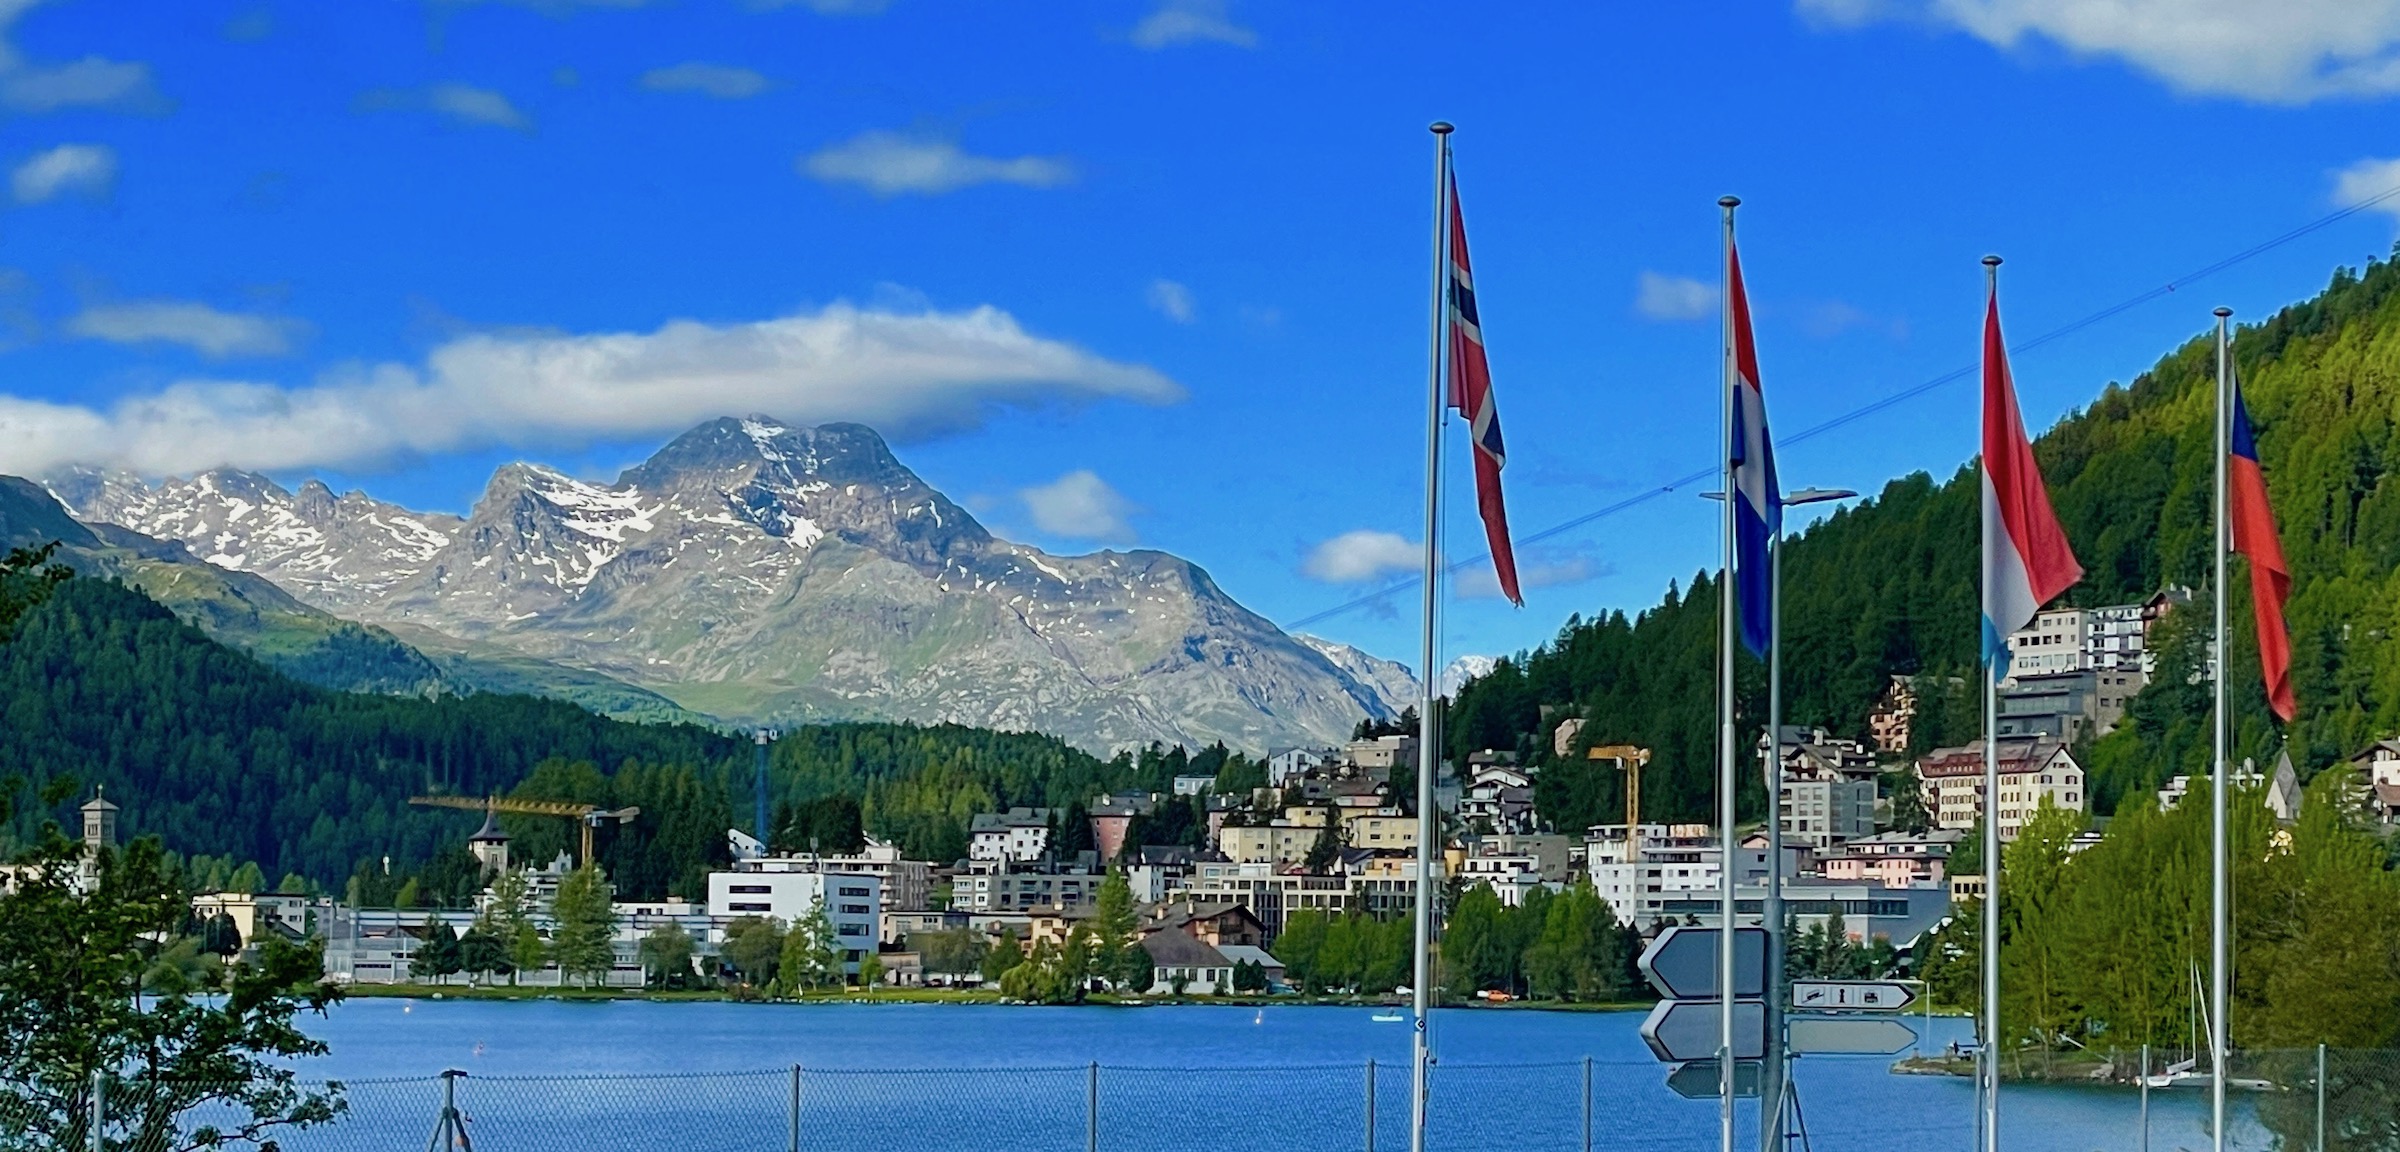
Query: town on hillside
{"type": "Point", "coordinates": [1872, 844]}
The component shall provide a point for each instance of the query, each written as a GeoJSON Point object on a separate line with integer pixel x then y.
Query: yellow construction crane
{"type": "Point", "coordinates": [590, 816]}
{"type": "Point", "coordinates": [1630, 759]}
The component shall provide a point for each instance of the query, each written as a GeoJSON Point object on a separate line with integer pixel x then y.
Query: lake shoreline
{"type": "Point", "coordinates": [509, 992]}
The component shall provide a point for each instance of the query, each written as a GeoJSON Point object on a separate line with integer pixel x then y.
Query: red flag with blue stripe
{"type": "Point", "coordinates": [1471, 395]}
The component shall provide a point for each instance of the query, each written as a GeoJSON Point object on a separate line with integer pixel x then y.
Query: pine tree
{"type": "Point", "coordinates": [583, 942]}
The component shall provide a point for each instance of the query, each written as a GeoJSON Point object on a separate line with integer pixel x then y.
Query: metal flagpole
{"type": "Point", "coordinates": [1991, 841]}
{"type": "Point", "coordinates": [1428, 757]}
{"type": "Point", "coordinates": [1726, 754]}
{"type": "Point", "coordinates": [2220, 928]}
{"type": "Point", "coordinates": [1770, 1085]}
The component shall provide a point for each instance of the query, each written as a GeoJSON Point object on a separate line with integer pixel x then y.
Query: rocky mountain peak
{"type": "Point", "coordinates": [759, 571]}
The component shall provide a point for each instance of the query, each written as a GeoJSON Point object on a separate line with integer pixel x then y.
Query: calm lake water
{"type": "Point", "coordinates": [716, 1076]}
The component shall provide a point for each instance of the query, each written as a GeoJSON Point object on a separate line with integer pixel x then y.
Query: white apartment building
{"type": "Point", "coordinates": [907, 884]}
{"type": "Point", "coordinates": [2053, 643]}
{"type": "Point", "coordinates": [854, 904]}
{"type": "Point", "coordinates": [2032, 769]}
{"type": "Point", "coordinates": [1017, 834]}
{"type": "Point", "coordinates": [1667, 864]}
{"type": "Point", "coordinates": [1292, 763]}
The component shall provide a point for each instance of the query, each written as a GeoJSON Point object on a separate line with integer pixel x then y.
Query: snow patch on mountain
{"type": "Point", "coordinates": [767, 573]}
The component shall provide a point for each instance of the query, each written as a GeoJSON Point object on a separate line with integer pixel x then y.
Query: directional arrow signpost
{"type": "Point", "coordinates": [1682, 963]}
{"type": "Point", "coordinates": [1699, 1081]}
{"type": "Point", "coordinates": [1682, 1030]}
{"type": "Point", "coordinates": [1819, 1035]}
{"type": "Point", "coordinates": [1685, 1028]}
{"type": "Point", "coordinates": [1851, 996]}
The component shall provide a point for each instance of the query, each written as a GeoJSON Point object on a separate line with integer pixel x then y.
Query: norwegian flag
{"type": "Point", "coordinates": [1471, 395]}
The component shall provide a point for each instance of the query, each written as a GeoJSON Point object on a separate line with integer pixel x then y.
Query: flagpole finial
{"type": "Point", "coordinates": [1991, 261]}
{"type": "Point", "coordinates": [1439, 128]}
{"type": "Point", "coordinates": [1729, 201]}
{"type": "Point", "coordinates": [2223, 313]}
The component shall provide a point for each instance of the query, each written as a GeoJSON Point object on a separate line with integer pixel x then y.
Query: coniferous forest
{"type": "Point", "coordinates": [227, 759]}
{"type": "Point", "coordinates": [1889, 587]}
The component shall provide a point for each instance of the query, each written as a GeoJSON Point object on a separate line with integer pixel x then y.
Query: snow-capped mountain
{"type": "Point", "coordinates": [763, 573]}
{"type": "Point", "coordinates": [337, 552]}
{"type": "Point", "coordinates": [1458, 671]}
{"type": "Point", "coordinates": [1391, 680]}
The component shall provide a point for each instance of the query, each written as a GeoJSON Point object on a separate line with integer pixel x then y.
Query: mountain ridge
{"type": "Point", "coordinates": [763, 573]}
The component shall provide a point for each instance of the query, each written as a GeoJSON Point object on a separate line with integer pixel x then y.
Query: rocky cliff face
{"type": "Point", "coordinates": [762, 573]}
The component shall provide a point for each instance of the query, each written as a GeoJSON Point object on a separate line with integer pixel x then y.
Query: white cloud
{"type": "Point", "coordinates": [1080, 506]}
{"type": "Point", "coordinates": [2366, 180]}
{"type": "Point", "coordinates": [892, 163]}
{"type": "Point", "coordinates": [196, 326]}
{"type": "Point", "coordinates": [84, 169]}
{"type": "Point", "coordinates": [1662, 297]}
{"type": "Point", "coordinates": [1191, 22]}
{"type": "Point", "coordinates": [722, 81]}
{"type": "Point", "coordinates": [92, 82]}
{"type": "Point", "coordinates": [1173, 301]}
{"type": "Point", "coordinates": [464, 103]}
{"type": "Point", "coordinates": [2289, 52]}
{"type": "Point", "coordinates": [1361, 555]}
{"type": "Point", "coordinates": [910, 375]}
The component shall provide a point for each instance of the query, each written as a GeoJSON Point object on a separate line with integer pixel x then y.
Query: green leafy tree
{"type": "Point", "coordinates": [221, 936]}
{"type": "Point", "coordinates": [1299, 946]}
{"type": "Point", "coordinates": [1327, 850]}
{"type": "Point", "coordinates": [483, 953]}
{"type": "Point", "coordinates": [812, 954]}
{"type": "Point", "coordinates": [72, 961]}
{"type": "Point", "coordinates": [1003, 958]}
{"type": "Point", "coordinates": [583, 941]}
{"type": "Point", "coordinates": [753, 948]}
{"type": "Point", "coordinates": [440, 956]}
{"type": "Point", "coordinates": [951, 952]}
{"type": "Point", "coordinates": [666, 955]}
{"type": "Point", "coordinates": [1113, 936]}
{"type": "Point", "coordinates": [870, 969]}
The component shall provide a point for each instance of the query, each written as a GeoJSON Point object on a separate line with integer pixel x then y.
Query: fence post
{"type": "Point", "coordinates": [1587, 1104]}
{"type": "Point", "coordinates": [2144, 1078]}
{"type": "Point", "coordinates": [1091, 1109]}
{"type": "Point", "coordinates": [1370, 1105]}
{"type": "Point", "coordinates": [795, 1135]}
{"type": "Point", "coordinates": [2320, 1098]}
{"type": "Point", "coordinates": [99, 1110]}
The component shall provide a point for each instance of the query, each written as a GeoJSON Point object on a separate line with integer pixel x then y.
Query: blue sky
{"type": "Point", "coordinates": [1146, 272]}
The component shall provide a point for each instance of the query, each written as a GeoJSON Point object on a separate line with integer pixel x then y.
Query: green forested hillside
{"type": "Point", "coordinates": [222, 756]}
{"type": "Point", "coordinates": [226, 758]}
{"type": "Point", "coordinates": [1889, 586]}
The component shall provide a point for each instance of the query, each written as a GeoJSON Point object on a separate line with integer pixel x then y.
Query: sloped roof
{"type": "Point", "coordinates": [1181, 950]}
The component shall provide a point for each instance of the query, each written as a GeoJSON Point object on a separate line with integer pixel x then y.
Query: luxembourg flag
{"type": "Point", "coordinates": [2026, 560]}
{"type": "Point", "coordinates": [1758, 505]}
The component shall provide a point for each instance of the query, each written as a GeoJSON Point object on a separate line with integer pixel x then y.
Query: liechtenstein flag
{"type": "Point", "coordinates": [1757, 503]}
{"type": "Point", "coordinates": [2270, 579]}
{"type": "Point", "coordinates": [2026, 560]}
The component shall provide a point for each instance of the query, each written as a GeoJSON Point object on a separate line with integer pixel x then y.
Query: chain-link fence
{"type": "Point", "coordinates": [2311, 1100]}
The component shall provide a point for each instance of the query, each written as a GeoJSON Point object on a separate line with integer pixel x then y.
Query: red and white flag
{"type": "Point", "coordinates": [1471, 395]}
